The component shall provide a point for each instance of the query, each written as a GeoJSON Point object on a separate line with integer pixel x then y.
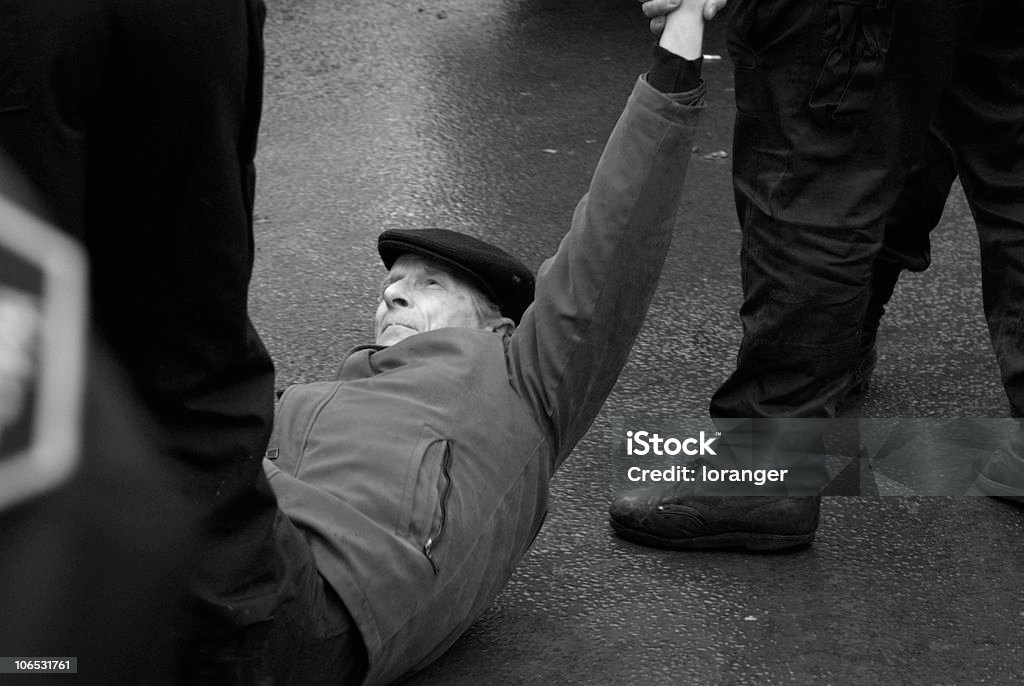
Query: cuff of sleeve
{"type": "Point", "coordinates": [671, 73]}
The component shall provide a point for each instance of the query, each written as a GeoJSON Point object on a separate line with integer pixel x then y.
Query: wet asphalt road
{"type": "Point", "coordinates": [488, 117]}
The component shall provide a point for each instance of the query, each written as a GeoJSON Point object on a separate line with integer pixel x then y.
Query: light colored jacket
{"type": "Point", "coordinates": [420, 476]}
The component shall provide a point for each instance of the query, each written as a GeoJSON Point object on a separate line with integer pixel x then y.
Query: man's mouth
{"type": "Point", "coordinates": [392, 332]}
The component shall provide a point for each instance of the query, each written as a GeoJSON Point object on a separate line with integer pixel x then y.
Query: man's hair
{"type": "Point", "coordinates": [485, 307]}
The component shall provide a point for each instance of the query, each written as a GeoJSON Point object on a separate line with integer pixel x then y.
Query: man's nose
{"type": "Point", "coordinates": [394, 295]}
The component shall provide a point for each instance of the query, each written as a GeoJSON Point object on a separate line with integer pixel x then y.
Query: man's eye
{"type": "Point", "coordinates": [431, 282]}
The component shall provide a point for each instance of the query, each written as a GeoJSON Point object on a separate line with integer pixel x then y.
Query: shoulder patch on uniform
{"type": "Point", "coordinates": [42, 354]}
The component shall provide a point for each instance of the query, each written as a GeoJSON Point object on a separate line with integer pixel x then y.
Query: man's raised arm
{"type": "Point", "coordinates": [593, 294]}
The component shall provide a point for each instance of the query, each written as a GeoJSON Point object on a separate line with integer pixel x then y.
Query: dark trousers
{"type": "Point", "coordinates": [834, 102]}
{"type": "Point", "coordinates": [907, 245]}
{"type": "Point", "coordinates": [136, 121]}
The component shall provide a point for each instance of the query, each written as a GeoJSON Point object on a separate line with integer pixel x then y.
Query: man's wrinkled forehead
{"type": "Point", "coordinates": [409, 262]}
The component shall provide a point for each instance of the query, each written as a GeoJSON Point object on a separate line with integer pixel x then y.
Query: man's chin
{"type": "Point", "coordinates": [395, 333]}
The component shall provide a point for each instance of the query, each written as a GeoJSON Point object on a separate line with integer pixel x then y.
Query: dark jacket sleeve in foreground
{"type": "Point", "coordinates": [593, 294]}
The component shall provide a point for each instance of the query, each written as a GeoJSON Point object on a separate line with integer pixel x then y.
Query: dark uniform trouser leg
{"type": "Point", "coordinates": [978, 127]}
{"type": "Point", "coordinates": [833, 101]}
{"type": "Point", "coordinates": [137, 122]}
{"type": "Point", "coordinates": [917, 212]}
{"type": "Point", "coordinates": [982, 117]}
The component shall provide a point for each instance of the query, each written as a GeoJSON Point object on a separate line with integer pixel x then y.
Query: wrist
{"type": "Point", "coordinates": [684, 30]}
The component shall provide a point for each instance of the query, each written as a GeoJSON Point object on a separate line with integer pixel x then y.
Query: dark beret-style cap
{"type": "Point", "coordinates": [501, 277]}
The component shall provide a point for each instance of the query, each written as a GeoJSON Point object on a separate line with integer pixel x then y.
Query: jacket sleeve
{"type": "Point", "coordinates": [593, 294]}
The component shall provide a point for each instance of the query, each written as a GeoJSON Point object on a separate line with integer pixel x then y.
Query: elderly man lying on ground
{"type": "Point", "coordinates": [419, 477]}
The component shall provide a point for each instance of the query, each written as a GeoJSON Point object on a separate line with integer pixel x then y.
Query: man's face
{"type": "Point", "coordinates": [419, 295]}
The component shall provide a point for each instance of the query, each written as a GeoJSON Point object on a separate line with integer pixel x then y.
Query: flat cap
{"type": "Point", "coordinates": [501, 277]}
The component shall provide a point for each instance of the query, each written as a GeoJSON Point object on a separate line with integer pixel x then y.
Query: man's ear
{"type": "Point", "coordinates": [504, 326]}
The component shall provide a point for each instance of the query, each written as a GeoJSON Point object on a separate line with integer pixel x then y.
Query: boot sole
{"type": "Point", "coordinates": [733, 540]}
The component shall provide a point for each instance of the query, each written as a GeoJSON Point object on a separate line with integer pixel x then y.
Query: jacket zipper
{"type": "Point", "coordinates": [428, 546]}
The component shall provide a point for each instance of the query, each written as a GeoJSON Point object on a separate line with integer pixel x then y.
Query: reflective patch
{"type": "Point", "coordinates": [42, 350]}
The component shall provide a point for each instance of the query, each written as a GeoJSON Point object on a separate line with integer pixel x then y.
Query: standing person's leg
{"type": "Point", "coordinates": [905, 246]}
{"type": "Point", "coordinates": [982, 115]}
{"type": "Point", "coordinates": [833, 100]}
{"type": "Point", "coordinates": [137, 122]}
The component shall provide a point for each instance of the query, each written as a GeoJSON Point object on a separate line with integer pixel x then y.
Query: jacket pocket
{"type": "Point", "coordinates": [424, 512]}
{"type": "Point", "coordinates": [844, 44]}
